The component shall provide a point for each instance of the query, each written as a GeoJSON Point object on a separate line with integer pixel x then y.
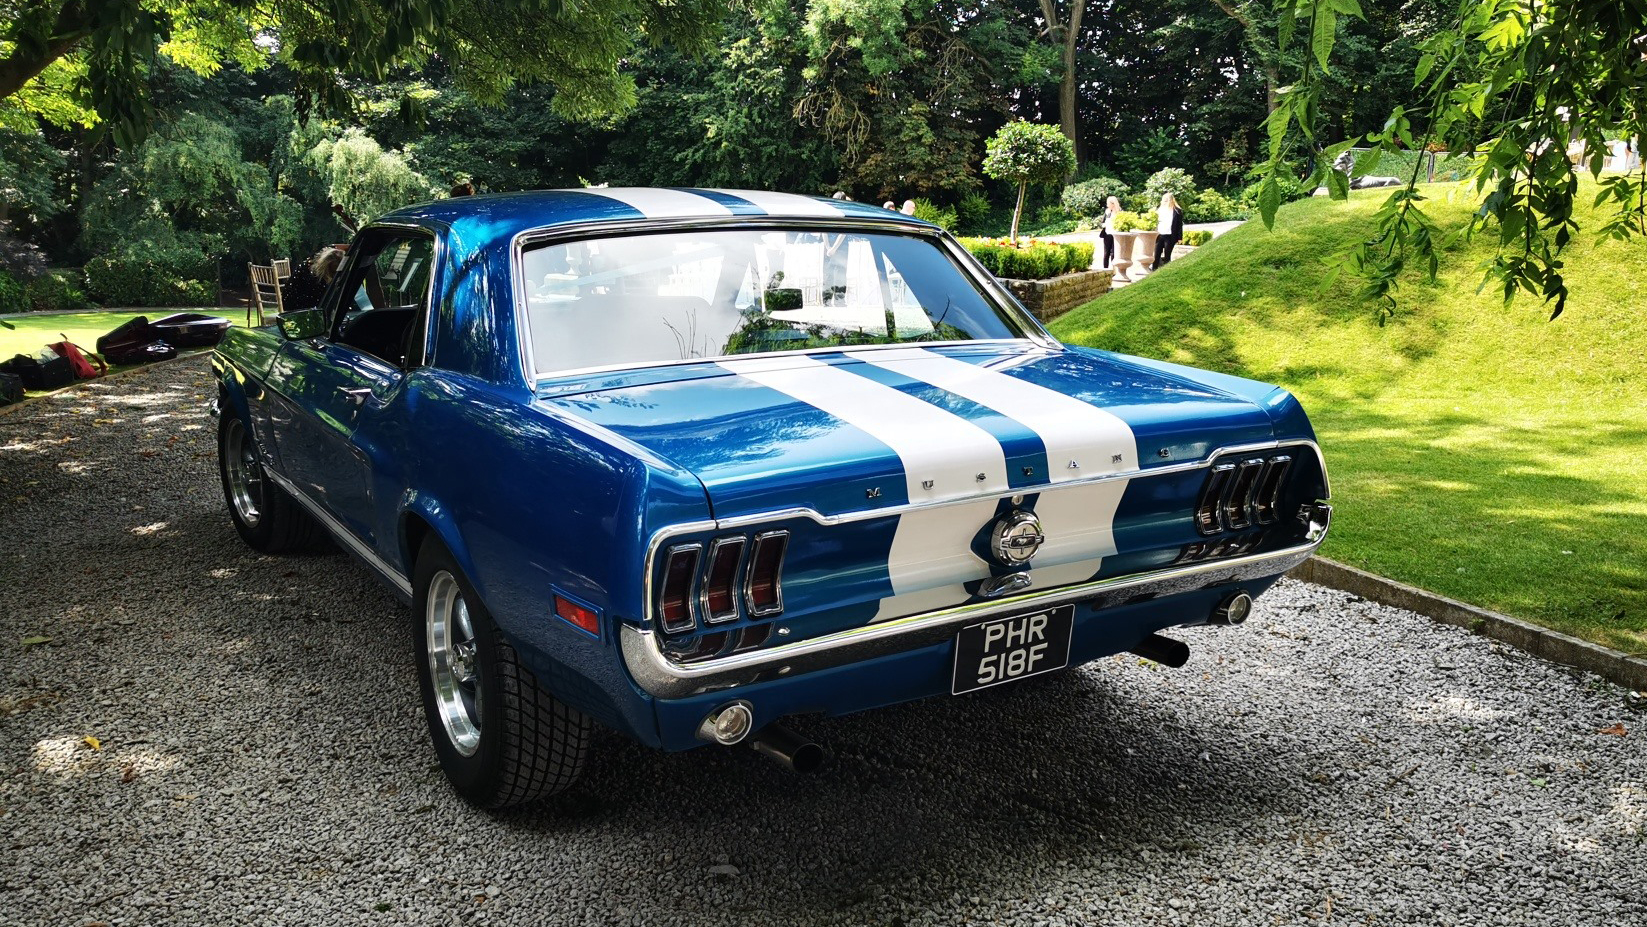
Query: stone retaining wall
{"type": "Point", "coordinates": [1049, 299]}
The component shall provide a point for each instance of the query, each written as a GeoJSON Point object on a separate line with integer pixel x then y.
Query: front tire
{"type": "Point", "coordinates": [501, 738]}
{"type": "Point", "coordinates": [266, 518]}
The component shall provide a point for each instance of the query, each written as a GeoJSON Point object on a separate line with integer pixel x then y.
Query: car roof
{"type": "Point", "coordinates": [500, 216]}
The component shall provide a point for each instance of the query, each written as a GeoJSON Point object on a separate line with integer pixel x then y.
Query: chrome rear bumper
{"type": "Point", "coordinates": [662, 677]}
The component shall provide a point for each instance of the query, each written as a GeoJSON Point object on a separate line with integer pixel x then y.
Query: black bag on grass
{"type": "Point", "coordinates": [11, 388]}
{"type": "Point", "coordinates": [47, 371]}
{"type": "Point", "coordinates": [136, 342]}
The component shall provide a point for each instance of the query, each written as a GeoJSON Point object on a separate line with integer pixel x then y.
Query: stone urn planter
{"type": "Point", "coordinates": [1143, 257]}
{"type": "Point", "coordinates": [1123, 253]}
{"type": "Point", "coordinates": [1055, 296]}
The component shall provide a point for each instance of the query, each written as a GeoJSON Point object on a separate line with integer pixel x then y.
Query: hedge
{"type": "Point", "coordinates": [1033, 260]}
{"type": "Point", "coordinates": [127, 281]}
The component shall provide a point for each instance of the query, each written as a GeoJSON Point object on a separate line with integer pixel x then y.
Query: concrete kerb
{"type": "Point", "coordinates": [1627, 670]}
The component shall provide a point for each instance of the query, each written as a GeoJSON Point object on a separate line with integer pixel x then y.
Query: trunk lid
{"type": "Point", "coordinates": [859, 430]}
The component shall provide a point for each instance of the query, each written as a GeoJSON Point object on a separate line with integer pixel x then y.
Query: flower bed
{"type": "Point", "coordinates": [1048, 277]}
{"type": "Point", "coordinates": [1030, 259]}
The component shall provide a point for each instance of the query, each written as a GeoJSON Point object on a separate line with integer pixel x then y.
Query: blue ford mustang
{"type": "Point", "coordinates": [688, 462]}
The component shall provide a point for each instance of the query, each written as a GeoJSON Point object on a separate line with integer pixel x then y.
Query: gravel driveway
{"type": "Point", "coordinates": [260, 758]}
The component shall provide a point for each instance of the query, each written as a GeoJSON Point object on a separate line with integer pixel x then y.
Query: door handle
{"type": "Point", "coordinates": [356, 395]}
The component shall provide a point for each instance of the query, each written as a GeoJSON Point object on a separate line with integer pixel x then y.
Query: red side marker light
{"type": "Point", "coordinates": [584, 618]}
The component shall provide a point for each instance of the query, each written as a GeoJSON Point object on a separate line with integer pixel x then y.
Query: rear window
{"type": "Point", "coordinates": [645, 299]}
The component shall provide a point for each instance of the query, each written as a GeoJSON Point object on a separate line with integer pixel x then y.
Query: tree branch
{"type": "Point", "coordinates": [22, 66]}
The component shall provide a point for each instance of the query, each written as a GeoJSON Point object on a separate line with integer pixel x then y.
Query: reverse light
{"type": "Point", "coordinates": [577, 615]}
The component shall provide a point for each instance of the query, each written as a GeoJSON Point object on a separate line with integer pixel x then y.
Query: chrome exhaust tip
{"type": "Point", "coordinates": [728, 724]}
{"type": "Point", "coordinates": [1162, 650]}
{"type": "Point", "coordinates": [1233, 610]}
{"type": "Point", "coordinates": [789, 748]}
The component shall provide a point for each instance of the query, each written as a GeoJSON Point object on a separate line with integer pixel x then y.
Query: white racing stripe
{"type": "Point", "coordinates": [786, 204]}
{"type": "Point", "coordinates": [662, 204]}
{"type": "Point", "coordinates": [932, 554]}
{"type": "Point", "coordinates": [1095, 440]}
{"type": "Point", "coordinates": [943, 454]}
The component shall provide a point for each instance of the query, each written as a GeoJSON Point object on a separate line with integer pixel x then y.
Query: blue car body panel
{"type": "Point", "coordinates": [574, 483]}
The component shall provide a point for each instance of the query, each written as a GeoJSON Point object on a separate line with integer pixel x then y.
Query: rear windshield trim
{"type": "Point", "coordinates": [991, 289]}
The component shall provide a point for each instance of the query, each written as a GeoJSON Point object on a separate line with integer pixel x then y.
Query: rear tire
{"type": "Point", "coordinates": [502, 739]}
{"type": "Point", "coordinates": [266, 517]}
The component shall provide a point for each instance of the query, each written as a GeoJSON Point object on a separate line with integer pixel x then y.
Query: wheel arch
{"type": "Point", "coordinates": [422, 517]}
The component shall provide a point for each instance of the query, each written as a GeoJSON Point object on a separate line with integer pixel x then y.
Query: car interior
{"type": "Point", "coordinates": [381, 311]}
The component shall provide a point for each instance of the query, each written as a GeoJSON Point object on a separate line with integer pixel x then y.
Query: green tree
{"type": "Point", "coordinates": [1535, 91]}
{"type": "Point", "coordinates": [366, 180]}
{"type": "Point", "coordinates": [1024, 153]}
{"type": "Point", "coordinates": [577, 48]}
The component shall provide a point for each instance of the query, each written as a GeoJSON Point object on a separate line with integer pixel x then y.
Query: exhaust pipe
{"type": "Point", "coordinates": [1163, 650]}
{"type": "Point", "coordinates": [1233, 610]}
{"type": "Point", "coordinates": [789, 748]}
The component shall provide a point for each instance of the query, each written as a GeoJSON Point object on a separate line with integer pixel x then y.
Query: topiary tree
{"type": "Point", "coordinates": [1023, 152]}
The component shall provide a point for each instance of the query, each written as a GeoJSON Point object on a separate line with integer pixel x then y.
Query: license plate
{"type": "Point", "coordinates": [1003, 649]}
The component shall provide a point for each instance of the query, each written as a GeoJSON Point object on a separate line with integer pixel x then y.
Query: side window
{"type": "Point", "coordinates": [383, 302]}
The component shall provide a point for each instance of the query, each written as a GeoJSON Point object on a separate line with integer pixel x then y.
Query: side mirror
{"type": "Point", "coordinates": [783, 299]}
{"type": "Point", "coordinates": [302, 324]}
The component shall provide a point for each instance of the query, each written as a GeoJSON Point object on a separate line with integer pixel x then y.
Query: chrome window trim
{"type": "Point", "coordinates": [663, 678]}
{"type": "Point", "coordinates": [709, 616]}
{"type": "Point", "coordinates": [662, 535]}
{"type": "Point", "coordinates": [749, 575]}
{"type": "Point", "coordinates": [437, 277]}
{"type": "Point", "coordinates": [343, 534]}
{"type": "Point", "coordinates": [994, 292]}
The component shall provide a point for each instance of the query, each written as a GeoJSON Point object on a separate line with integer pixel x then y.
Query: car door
{"type": "Point", "coordinates": [343, 392]}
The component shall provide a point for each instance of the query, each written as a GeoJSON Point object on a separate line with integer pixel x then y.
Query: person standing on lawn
{"type": "Point", "coordinates": [1170, 225]}
{"type": "Point", "coordinates": [1111, 208]}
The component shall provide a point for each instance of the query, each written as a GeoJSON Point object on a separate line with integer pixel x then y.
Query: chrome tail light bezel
{"type": "Point", "coordinates": [773, 545]}
{"type": "Point", "coordinates": [691, 554]}
{"type": "Point", "coordinates": [722, 550]}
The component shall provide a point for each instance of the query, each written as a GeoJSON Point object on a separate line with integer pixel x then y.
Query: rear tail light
{"type": "Point", "coordinates": [1206, 512]}
{"type": "Point", "coordinates": [720, 598]}
{"type": "Point", "coordinates": [675, 601]}
{"type": "Point", "coordinates": [1238, 506]}
{"type": "Point", "coordinates": [736, 577]}
{"type": "Point", "coordinates": [763, 589]}
{"type": "Point", "coordinates": [1268, 501]}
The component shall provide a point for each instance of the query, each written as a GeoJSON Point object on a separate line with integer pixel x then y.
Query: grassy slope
{"type": "Point", "coordinates": [1476, 450]}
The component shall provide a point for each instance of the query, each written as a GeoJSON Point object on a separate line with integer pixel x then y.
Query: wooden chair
{"type": "Point", "coordinates": [265, 292]}
{"type": "Point", "coordinates": [283, 268]}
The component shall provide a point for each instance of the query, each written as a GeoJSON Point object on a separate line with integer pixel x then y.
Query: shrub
{"type": "Point", "coordinates": [56, 291]}
{"type": "Point", "coordinates": [21, 259]}
{"type": "Point", "coordinates": [1176, 181]}
{"type": "Point", "coordinates": [1087, 198]}
{"type": "Point", "coordinates": [1196, 237]}
{"type": "Point", "coordinates": [1034, 260]}
{"type": "Point", "coordinates": [972, 209]}
{"type": "Point", "coordinates": [927, 211]}
{"type": "Point", "coordinates": [1291, 189]}
{"type": "Point", "coordinates": [11, 293]}
{"type": "Point", "coordinates": [158, 280]}
{"type": "Point", "coordinates": [1126, 221]}
{"type": "Point", "coordinates": [1212, 206]}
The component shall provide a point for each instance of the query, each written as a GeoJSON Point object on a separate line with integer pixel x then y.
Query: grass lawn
{"type": "Point", "coordinates": [33, 332]}
{"type": "Point", "coordinates": [1476, 449]}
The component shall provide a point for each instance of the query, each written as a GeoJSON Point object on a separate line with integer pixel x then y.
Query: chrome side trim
{"type": "Point", "coordinates": [662, 535]}
{"type": "Point", "coordinates": [663, 678]}
{"type": "Point", "coordinates": [343, 535]}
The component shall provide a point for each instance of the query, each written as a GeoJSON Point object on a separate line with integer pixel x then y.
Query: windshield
{"type": "Point", "coordinates": [710, 293]}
